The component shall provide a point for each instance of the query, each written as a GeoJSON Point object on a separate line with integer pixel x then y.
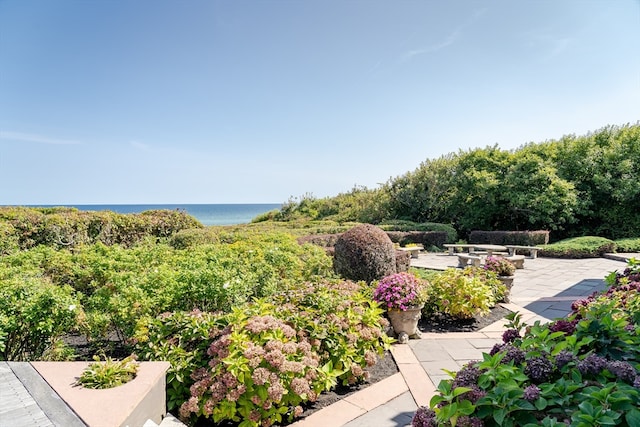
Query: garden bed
{"type": "Point", "coordinates": [444, 323]}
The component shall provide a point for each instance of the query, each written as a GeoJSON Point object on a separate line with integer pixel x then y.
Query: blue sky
{"type": "Point", "coordinates": [159, 101]}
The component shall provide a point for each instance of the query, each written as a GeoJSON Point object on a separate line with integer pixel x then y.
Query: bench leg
{"type": "Point", "coordinates": [533, 253]}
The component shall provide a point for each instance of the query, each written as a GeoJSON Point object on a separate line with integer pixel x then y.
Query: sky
{"type": "Point", "coordinates": [236, 101]}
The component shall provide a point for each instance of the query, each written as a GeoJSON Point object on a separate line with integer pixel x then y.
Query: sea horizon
{"type": "Point", "coordinates": [206, 213]}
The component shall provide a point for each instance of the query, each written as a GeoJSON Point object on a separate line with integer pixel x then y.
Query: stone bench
{"type": "Point", "coordinates": [517, 260]}
{"type": "Point", "coordinates": [413, 250]}
{"type": "Point", "coordinates": [532, 250]}
{"type": "Point", "coordinates": [453, 246]}
{"type": "Point", "coordinates": [466, 259]}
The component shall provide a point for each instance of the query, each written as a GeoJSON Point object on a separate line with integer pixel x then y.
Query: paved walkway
{"type": "Point", "coordinates": [543, 290]}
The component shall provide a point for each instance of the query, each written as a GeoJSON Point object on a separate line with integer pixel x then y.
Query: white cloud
{"type": "Point", "coordinates": [28, 137]}
{"type": "Point", "coordinates": [451, 39]}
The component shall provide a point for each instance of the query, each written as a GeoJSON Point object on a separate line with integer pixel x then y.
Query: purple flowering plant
{"type": "Point", "coordinates": [398, 291]}
{"type": "Point", "coordinates": [582, 370]}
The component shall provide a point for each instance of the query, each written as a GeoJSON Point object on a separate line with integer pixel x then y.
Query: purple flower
{"type": "Point", "coordinates": [510, 335]}
{"type": "Point", "coordinates": [563, 358]}
{"type": "Point", "coordinates": [495, 349]}
{"type": "Point", "coordinates": [592, 364]}
{"type": "Point", "coordinates": [515, 354]}
{"type": "Point", "coordinates": [531, 393]}
{"type": "Point", "coordinates": [467, 376]}
{"type": "Point", "coordinates": [424, 417]}
{"type": "Point", "coordinates": [539, 369]}
{"type": "Point", "coordinates": [467, 421]}
{"type": "Point", "coordinates": [566, 326]}
{"type": "Point", "coordinates": [624, 371]}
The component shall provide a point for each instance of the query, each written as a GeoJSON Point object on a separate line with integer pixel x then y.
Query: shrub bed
{"type": "Point", "coordinates": [114, 286]}
{"type": "Point", "coordinates": [579, 371]}
{"type": "Point", "coordinates": [258, 364]}
{"type": "Point", "coordinates": [579, 247]}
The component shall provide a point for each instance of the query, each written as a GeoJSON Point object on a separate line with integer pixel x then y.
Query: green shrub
{"type": "Point", "coordinates": [182, 339]}
{"type": "Point", "coordinates": [8, 239]}
{"type": "Point", "coordinates": [628, 245]}
{"type": "Point", "coordinates": [33, 314]}
{"type": "Point", "coordinates": [69, 228]}
{"type": "Point", "coordinates": [404, 225]}
{"type": "Point", "coordinates": [462, 293]}
{"type": "Point", "coordinates": [365, 252]}
{"type": "Point", "coordinates": [579, 247]}
{"type": "Point", "coordinates": [259, 363]}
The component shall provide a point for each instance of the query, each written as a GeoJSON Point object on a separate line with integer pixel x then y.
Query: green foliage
{"type": "Point", "coordinates": [574, 186]}
{"type": "Point", "coordinates": [69, 228]}
{"type": "Point", "coordinates": [405, 225]}
{"type": "Point", "coordinates": [182, 339]}
{"type": "Point", "coordinates": [579, 371]}
{"type": "Point", "coordinates": [259, 363]}
{"type": "Point", "coordinates": [463, 293]}
{"type": "Point", "coordinates": [119, 285]}
{"type": "Point", "coordinates": [108, 374]}
{"type": "Point", "coordinates": [628, 245]}
{"type": "Point", "coordinates": [33, 314]}
{"type": "Point", "coordinates": [579, 247]}
{"type": "Point", "coordinates": [365, 252]}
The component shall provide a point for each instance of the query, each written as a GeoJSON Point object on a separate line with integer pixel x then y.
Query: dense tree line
{"type": "Point", "coordinates": [577, 185]}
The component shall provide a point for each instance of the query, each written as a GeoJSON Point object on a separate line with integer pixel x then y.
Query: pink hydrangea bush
{"type": "Point", "coordinates": [398, 291]}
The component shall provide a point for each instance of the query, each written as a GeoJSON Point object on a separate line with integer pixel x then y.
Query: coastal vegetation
{"type": "Point", "coordinates": [574, 186]}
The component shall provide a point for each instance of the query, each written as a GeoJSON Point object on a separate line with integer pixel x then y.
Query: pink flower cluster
{"type": "Point", "coordinates": [397, 291]}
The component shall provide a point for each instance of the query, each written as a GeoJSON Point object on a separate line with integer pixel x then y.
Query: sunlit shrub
{"type": "Point", "coordinates": [461, 293]}
{"type": "Point", "coordinates": [365, 252]}
{"type": "Point", "coordinates": [33, 314]}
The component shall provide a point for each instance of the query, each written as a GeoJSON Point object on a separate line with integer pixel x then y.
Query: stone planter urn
{"type": "Point", "coordinates": [508, 282]}
{"type": "Point", "coordinates": [405, 323]}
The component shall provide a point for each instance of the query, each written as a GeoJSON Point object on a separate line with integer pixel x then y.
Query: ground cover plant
{"type": "Point", "coordinates": [580, 371]}
{"type": "Point", "coordinates": [579, 247]}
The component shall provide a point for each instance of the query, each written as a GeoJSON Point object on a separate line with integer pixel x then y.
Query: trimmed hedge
{"type": "Point", "coordinates": [524, 238]}
{"type": "Point", "coordinates": [426, 238]}
{"type": "Point", "coordinates": [579, 247]}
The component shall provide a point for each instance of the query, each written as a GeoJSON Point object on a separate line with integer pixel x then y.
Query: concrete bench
{"type": "Point", "coordinates": [466, 259]}
{"type": "Point", "coordinates": [453, 246]}
{"type": "Point", "coordinates": [413, 250]}
{"type": "Point", "coordinates": [532, 250]}
{"type": "Point", "coordinates": [517, 260]}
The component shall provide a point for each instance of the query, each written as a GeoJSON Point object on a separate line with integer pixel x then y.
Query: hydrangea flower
{"type": "Point", "coordinates": [539, 369]}
{"type": "Point", "coordinates": [592, 364]}
{"type": "Point", "coordinates": [531, 393]}
{"type": "Point", "coordinates": [564, 357]}
{"type": "Point", "coordinates": [424, 417]}
{"type": "Point", "coordinates": [510, 335]}
{"type": "Point", "coordinates": [398, 291]}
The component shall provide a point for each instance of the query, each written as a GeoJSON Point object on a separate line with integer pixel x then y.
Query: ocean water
{"type": "Point", "coordinates": [216, 214]}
